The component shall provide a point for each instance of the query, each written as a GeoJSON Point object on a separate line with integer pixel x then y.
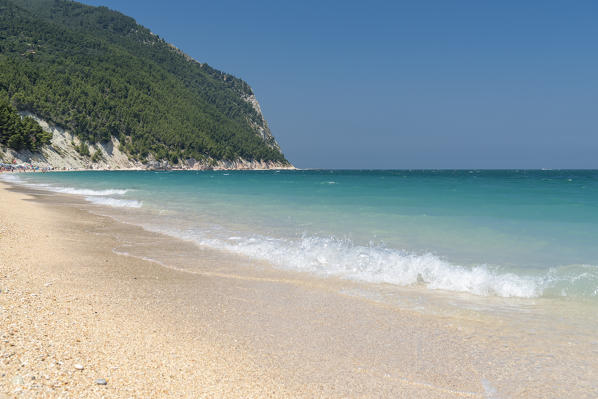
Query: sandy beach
{"type": "Point", "coordinates": [74, 313]}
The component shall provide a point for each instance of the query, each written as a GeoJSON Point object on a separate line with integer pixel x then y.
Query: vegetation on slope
{"type": "Point", "coordinates": [20, 133]}
{"type": "Point", "coordinates": [99, 74]}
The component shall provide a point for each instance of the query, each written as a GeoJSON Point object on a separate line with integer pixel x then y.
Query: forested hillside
{"type": "Point", "coordinates": [18, 133]}
{"type": "Point", "coordinates": [99, 74]}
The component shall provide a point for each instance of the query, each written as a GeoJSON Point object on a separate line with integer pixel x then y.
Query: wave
{"type": "Point", "coordinates": [64, 190]}
{"type": "Point", "coordinates": [88, 192]}
{"type": "Point", "coordinates": [10, 178]}
{"type": "Point", "coordinates": [329, 256]}
{"type": "Point", "coordinates": [98, 197]}
{"type": "Point", "coordinates": [114, 202]}
{"type": "Point", "coordinates": [379, 264]}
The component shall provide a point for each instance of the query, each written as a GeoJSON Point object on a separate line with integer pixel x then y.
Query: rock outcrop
{"type": "Point", "coordinates": [62, 154]}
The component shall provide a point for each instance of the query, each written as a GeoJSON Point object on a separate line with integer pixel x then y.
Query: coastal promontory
{"type": "Point", "coordinates": [86, 87]}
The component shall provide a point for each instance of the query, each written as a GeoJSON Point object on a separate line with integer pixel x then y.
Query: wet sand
{"type": "Point", "coordinates": [235, 331]}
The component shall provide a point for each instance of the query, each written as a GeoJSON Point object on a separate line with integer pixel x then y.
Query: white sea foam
{"type": "Point", "coordinates": [114, 202]}
{"type": "Point", "coordinates": [60, 189]}
{"type": "Point", "coordinates": [375, 264]}
{"type": "Point", "coordinates": [11, 178]}
{"type": "Point", "coordinates": [88, 192]}
{"type": "Point", "coordinates": [370, 263]}
{"type": "Point", "coordinates": [383, 265]}
{"type": "Point", "coordinates": [99, 197]}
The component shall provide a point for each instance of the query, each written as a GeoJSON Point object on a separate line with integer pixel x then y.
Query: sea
{"type": "Point", "coordinates": [519, 234]}
{"type": "Point", "coordinates": [508, 258]}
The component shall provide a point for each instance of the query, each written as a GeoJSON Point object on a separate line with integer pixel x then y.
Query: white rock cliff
{"type": "Point", "coordinates": [61, 154]}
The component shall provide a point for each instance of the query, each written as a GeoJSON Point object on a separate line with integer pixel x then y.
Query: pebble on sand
{"type": "Point", "coordinates": [79, 366]}
{"type": "Point", "coordinates": [18, 380]}
{"type": "Point", "coordinates": [101, 381]}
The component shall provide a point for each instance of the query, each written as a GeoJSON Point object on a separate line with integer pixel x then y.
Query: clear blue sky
{"type": "Point", "coordinates": [405, 84]}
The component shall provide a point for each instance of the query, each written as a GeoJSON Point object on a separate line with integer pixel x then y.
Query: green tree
{"type": "Point", "coordinates": [99, 74]}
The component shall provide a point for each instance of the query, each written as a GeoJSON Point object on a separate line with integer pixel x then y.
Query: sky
{"type": "Point", "coordinates": [404, 84]}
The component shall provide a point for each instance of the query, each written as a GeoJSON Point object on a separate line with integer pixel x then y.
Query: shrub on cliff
{"type": "Point", "coordinates": [20, 133]}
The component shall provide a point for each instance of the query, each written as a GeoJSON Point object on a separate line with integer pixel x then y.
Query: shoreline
{"type": "Point", "coordinates": [68, 298]}
{"type": "Point", "coordinates": [79, 303]}
{"type": "Point", "coordinates": [249, 167]}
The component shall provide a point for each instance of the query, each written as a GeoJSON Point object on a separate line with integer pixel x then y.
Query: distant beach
{"type": "Point", "coordinates": [87, 299]}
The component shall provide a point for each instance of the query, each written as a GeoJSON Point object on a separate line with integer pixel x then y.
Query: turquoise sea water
{"type": "Point", "coordinates": [489, 233]}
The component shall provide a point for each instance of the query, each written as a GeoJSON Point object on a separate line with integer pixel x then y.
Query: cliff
{"type": "Point", "coordinates": [111, 90]}
{"type": "Point", "coordinates": [62, 154]}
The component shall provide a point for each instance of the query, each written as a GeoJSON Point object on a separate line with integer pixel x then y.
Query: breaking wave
{"type": "Point", "coordinates": [11, 178]}
{"type": "Point", "coordinates": [114, 202]}
{"type": "Point", "coordinates": [87, 192]}
{"type": "Point", "coordinates": [99, 197]}
{"type": "Point", "coordinates": [379, 264]}
{"type": "Point", "coordinates": [329, 256]}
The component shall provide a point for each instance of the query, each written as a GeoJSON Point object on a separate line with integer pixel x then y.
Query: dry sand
{"type": "Point", "coordinates": [67, 300]}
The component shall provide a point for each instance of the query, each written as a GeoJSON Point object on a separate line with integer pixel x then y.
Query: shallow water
{"type": "Point", "coordinates": [518, 322]}
{"type": "Point", "coordinates": [514, 234]}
